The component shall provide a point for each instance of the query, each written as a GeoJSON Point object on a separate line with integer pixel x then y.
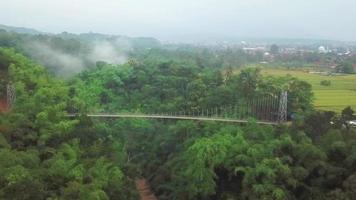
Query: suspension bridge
{"type": "Point", "coordinates": [267, 109]}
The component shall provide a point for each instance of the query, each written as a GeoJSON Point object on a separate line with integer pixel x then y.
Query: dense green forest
{"type": "Point", "coordinates": [46, 155]}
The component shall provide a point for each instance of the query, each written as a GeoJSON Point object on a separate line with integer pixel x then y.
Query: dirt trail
{"type": "Point", "coordinates": [144, 189]}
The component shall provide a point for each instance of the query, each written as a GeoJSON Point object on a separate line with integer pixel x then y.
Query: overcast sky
{"type": "Point", "coordinates": [183, 19]}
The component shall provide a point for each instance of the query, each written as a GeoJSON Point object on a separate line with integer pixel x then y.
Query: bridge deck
{"type": "Point", "coordinates": [218, 119]}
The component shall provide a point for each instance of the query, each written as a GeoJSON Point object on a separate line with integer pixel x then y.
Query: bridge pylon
{"type": "Point", "coordinates": [283, 107]}
{"type": "Point", "coordinates": [10, 96]}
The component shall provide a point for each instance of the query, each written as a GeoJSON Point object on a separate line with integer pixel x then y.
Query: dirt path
{"type": "Point", "coordinates": [144, 190]}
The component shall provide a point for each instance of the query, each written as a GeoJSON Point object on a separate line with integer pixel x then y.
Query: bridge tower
{"type": "Point", "coordinates": [283, 107]}
{"type": "Point", "coordinates": [10, 96]}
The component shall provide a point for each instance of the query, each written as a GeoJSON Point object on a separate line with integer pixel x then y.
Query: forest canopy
{"type": "Point", "coordinates": [44, 154]}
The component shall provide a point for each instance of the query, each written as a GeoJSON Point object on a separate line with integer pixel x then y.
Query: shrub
{"type": "Point", "coordinates": [325, 83]}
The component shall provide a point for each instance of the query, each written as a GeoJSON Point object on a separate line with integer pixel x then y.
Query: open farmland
{"type": "Point", "coordinates": [340, 94]}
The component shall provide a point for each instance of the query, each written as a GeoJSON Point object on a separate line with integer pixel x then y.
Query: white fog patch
{"type": "Point", "coordinates": [107, 52]}
{"type": "Point", "coordinates": [123, 43]}
{"type": "Point", "coordinates": [66, 65]}
{"type": "Point", "coordinates": [60, 63]}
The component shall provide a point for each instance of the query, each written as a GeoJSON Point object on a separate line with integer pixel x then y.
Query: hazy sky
{"type": "Point", "coordinates": [187, 19]}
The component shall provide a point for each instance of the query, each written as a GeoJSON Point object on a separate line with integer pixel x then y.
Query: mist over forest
{"type": "Point", "coordinates": [188, 100]}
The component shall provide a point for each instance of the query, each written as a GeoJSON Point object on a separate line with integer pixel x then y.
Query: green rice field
{"type": "Point", "coordinates": [340, 94]}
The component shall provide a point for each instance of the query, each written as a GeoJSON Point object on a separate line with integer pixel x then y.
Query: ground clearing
{"type": "Point", "coordinates": [340, 94]}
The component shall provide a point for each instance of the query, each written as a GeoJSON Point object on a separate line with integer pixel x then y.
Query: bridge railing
{"type": "Point", "coordinates": [266, 109]}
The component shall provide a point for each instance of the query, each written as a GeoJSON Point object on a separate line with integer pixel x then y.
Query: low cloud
{"type": "Point", "coordinates": [107, 52]}
{"type": "Point", "coordinates": [60, 63]}
{"type": "Point", "coordinates": [65, 64]}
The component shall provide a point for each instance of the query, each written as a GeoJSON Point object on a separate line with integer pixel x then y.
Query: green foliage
{"type": "Point", "coordinates": [203, 156]}
{"type": "Point", "coordinates": [40, 155]}
{"type": "Point", "coordinates": [234, 152]}
{"type": "Point", "coordinates": [248, 81]}
{"type": "Point", "coordinates": [345, 67]}
{"type": "Point", "coordinates": [46, 155]}
{"type": "Point", "coordinates": [274, 49]}
{"type": "Point", "coordinates": [262, 164]}
{"type": "Point", "coordinates": [325, 82]}
{"type": "Point", "coordinates": [319, 123]}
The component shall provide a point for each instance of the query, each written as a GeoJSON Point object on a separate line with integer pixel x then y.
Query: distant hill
{"type": "Point", "coordinates": [134, 42]}
{"type": "Point", "coordinates": [20, 30]}
{"type": "Point", "coordinates": [67, 53]}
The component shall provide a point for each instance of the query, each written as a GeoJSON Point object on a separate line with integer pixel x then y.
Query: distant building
{"type": "Point", "coordinates": [254, 50]}
{"type": "Point", "coordinates": [322, 49]}
{"type": "Point", "coordinates": [289, 50]}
